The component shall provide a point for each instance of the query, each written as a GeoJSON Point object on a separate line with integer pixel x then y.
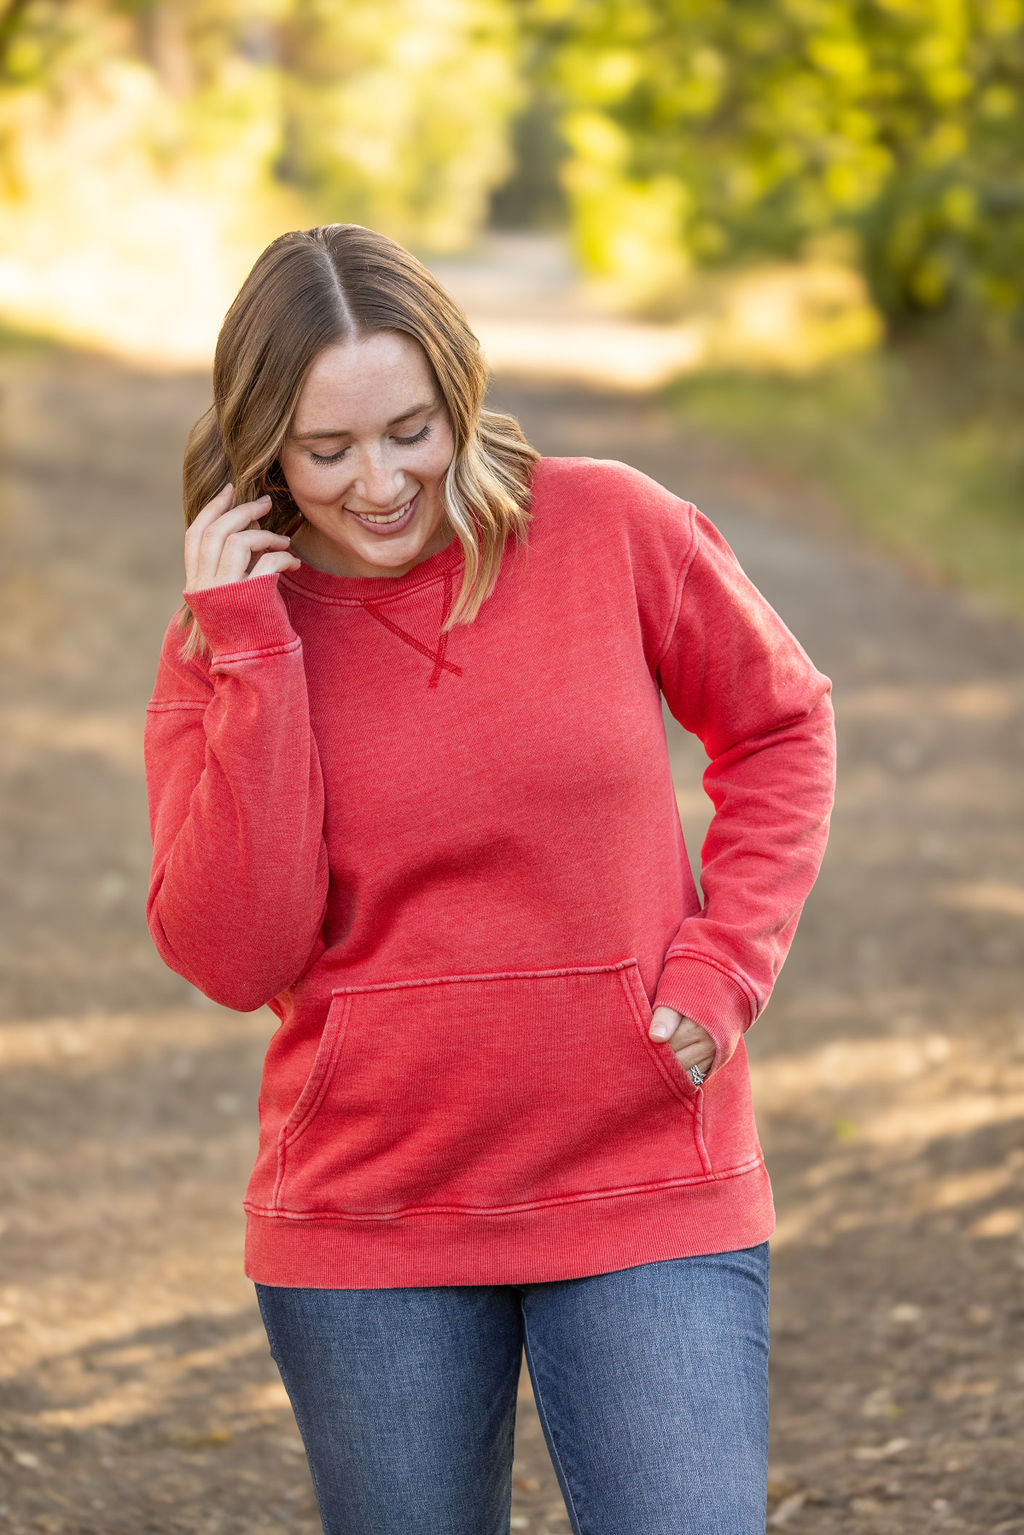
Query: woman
{"type": "Point", "coordinates": [409, 787]}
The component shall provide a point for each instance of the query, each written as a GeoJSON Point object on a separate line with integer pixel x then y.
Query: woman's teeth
{"type": "Point", "coordinates": [385, 517]}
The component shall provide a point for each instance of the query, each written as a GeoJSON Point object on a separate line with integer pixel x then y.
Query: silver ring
{"type": "Point", "coordinates": [696, 1075]}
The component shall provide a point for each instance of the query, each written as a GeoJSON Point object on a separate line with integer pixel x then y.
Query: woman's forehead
{"type": "Point", "coordinates": [360, 385]}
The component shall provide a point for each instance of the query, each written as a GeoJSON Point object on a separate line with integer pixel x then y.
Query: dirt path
{"type": "Point", "coordinates": [138, 1391]}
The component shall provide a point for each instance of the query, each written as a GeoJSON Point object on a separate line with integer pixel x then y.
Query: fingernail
{"type": "Point", "coordinates": [660, 1031]}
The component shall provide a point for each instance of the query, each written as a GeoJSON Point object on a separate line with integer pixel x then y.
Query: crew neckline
{"type": "Point", "coordinates": [333, 588]}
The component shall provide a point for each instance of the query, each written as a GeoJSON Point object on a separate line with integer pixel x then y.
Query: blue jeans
{"type": "Point", "coordinates": [651, 1384]}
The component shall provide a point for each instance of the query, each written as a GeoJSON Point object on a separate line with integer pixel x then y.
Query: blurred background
{"type": "Point", "coordinates": [771, 254]}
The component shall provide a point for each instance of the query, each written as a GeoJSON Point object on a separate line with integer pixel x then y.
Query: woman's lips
{"type": "Point", "coordinates": [388, 527]}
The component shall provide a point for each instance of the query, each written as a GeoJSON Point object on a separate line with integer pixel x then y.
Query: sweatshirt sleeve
{"type": "Point", "coordinates": [239, 877]}
{"type": "Point", "coordinates": [733, 674]}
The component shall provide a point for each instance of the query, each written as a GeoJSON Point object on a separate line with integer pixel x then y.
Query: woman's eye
{"type": "Point", "coordinates": [334, 458]}
{"type": "Point", "coordinates": [420, 435]}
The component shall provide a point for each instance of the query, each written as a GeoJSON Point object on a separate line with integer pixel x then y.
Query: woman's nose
{"type": "Point", "coordinates": [376, 483]}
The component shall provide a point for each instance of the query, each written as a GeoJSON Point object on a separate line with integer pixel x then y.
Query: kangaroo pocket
{"type": "Point", "coordinates": [488, 1091]}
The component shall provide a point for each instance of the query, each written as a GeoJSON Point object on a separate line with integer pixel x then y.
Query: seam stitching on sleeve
{"type": "Point", "coordinates": [252, 655]}
{"type": "Point", "coordinates": [684, 570]}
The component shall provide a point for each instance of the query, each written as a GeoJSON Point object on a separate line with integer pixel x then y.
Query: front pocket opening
{"type": "Point", "coordinates": [675, 1073]}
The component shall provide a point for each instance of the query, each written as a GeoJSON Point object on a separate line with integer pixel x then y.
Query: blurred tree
{"type": "Point", "coordinates": [533, 197]}
{"type": "Point", "coordinates": [709, 134]}
{"type": "Point", "coordinates": [669, 133]}
{"type": "Point", "coordinates": [133, 128]}
{"type": "Point", "coordinates": [370, 120]}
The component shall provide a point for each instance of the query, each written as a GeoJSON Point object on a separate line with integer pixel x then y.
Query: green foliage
{"type": "Point", "coordinates": [393, 114]}
{"type": "Point", "coordinates": [709, 134]}
{"type": "Point", "coordinates": [672, 134]}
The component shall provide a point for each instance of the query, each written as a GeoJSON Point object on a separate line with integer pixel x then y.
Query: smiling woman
{"type": "Point", "coordinates": [374, 504]}
{"type": "Point", "coordinates": [347, 384]}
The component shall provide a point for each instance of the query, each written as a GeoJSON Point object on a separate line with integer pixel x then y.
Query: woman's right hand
{"type": "Point", "coordinates": [221, 544]}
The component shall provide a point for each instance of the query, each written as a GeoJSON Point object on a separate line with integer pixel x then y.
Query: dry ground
{"type": "Point", "coordinates": [138, 1391]}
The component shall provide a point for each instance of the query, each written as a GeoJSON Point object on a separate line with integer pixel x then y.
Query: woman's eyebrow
{"type": "Point", "coordinates": [414, 410]}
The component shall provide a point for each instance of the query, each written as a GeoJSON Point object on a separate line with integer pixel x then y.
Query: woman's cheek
{"type": "Point", "coordinates": [319, 488]}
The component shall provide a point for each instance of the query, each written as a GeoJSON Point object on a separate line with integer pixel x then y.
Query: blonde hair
{"type": "Point", "coordinates": [314, 288]}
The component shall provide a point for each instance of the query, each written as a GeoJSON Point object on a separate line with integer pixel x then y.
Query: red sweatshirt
{"type": "Point", "coordinates": [452, 866]}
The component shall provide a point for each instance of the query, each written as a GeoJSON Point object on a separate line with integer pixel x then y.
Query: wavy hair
{"type": "Point", "coordinates": [336, 283]}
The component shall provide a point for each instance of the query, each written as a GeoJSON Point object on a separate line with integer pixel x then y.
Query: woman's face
{"type": "Point", "coordinates": [370, 433]}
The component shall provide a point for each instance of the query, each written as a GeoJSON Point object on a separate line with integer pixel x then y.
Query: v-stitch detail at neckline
{"type": "Point", "coordinates": [436, 655]}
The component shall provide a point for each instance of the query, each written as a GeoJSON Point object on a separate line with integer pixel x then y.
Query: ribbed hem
{"type": "Point", "coordinates": [712, 997]}
{"type": "Point", "coordinates": [243, 618]}
{"type": "Point", "coordinates": [561, 1241]}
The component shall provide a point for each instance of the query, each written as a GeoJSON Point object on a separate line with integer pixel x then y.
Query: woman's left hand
{"type": "Point", "coordinates": [692, 1044]}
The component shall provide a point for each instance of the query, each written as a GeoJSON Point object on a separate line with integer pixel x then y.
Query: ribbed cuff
{"type": "Point", "coordinates": [242, 618]}
{"type": "Point", "coordinates": [699, 989]}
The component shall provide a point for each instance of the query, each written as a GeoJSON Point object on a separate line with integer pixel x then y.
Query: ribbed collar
{"type": "Point", "coordinates": [326, 587]}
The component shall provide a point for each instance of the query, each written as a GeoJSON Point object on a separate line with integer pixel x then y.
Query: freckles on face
{"type": "Point", "coordinates": [365, 457]}
{"type": "Point", "coordinates": [370, 428]}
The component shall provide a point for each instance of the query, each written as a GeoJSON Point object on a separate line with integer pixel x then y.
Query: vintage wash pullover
{"type": "Point", "coordinates": [453, 867]}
